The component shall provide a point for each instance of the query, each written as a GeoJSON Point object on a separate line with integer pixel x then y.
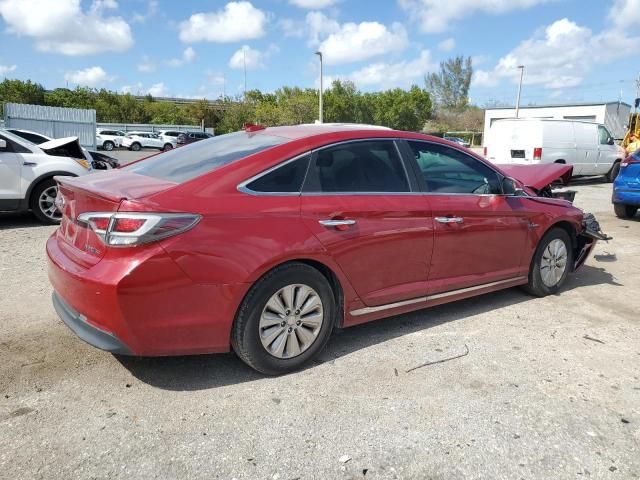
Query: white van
{"type": "Point", "coordinates": [588, 146]}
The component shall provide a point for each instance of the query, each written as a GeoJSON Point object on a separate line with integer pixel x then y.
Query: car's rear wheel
{"type": "Point", "coordinates": [551, 263]}
{"type": "Point", "coordinates": [624, 211]}
{"type": "Point", "coordinates": [613, 173]}
{"type": "Point", "coordinates": [136, 147]}
{"type": "Point", "coordinates": [167, 146]}
{"type": "Point", "coordinates": [42, 202]}
{"type": "Point", "coordinates": [285, 319]}
{"type": "Point", "coordinates": [108, 145]}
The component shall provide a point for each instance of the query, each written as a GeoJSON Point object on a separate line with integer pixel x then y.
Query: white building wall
{"type": "Point", "coordinates": [614, 115]}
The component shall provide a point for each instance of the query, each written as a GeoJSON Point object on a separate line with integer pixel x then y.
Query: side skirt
{"type": "Point", "coordinates": [438, 298]}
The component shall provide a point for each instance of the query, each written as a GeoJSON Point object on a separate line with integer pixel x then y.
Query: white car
{"type": "Point", "coordinates": [27, 171]}
{"type": "Point", "coordinates": [588, 146]}
{"type": "Point", "coordinates": [108, 139]}
{"type": "Point", "coordinates": [169, 135]}
{"type": "Point", "coordinates": [137, 140]}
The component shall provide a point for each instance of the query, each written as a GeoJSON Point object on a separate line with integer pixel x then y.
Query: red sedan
{"type": "Point", "coordinates": [266, 240]}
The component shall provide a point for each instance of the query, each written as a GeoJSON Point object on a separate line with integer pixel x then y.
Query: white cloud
{"type": "Point", "coordinates": [319, 26]}
{"type": "Point", "coordinates": [89, 77]}
{"type": "Point", "coordinates": [353, 42]}
{"type": "Point", "coordinates": [152, 8]}
{"type": "Point", "coordinates": [158, 90]}
{"type": "Point", "coordinates": [560, 55]}
{"type": "Point", "coordinates": [188, 56]}
{"type": "Point", "coordinates": [625, 13]}
{"type": "Point", "coordinates": [4, 69]}
{"type": "Point", "coordinates": [313, 4]}
{"type": "Point", "coordinates": [147, 65]}
{"type": "Point", "coordinates": [436, 16]}
{"type": "Point", "coordinates": [236, 21]}
{"type": "Point", "coordinates": [447, 45]}
{"type": "Point", "coordinates": [246, 55]}
{"type": "Point", "coordinates": [292, 28]}
{"type": "Point", "coordinates": [387, 75]}
{"type": "Point", "coordinates": [63, 27]}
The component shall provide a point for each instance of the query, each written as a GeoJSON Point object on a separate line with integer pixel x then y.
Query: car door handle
{"type": "Point", "coordinates": [449, 219]}
{"type": "Point", "coordinates": [29, 164]}
{"type": "Point", "coordinates": [336, 223]}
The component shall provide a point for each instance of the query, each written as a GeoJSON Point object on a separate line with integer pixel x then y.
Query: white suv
{"type": "Point", "coordinates": [108, 139]}
{"type": "Point", "coordinates": [27, 171]}
{"type": "Point", "coordinates": [137, 140]}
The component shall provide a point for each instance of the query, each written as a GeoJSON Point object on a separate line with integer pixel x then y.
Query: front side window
{"type": "Point", "coordinates": [603, 135]}
{"type": "Point", "coordinates": [359, 167]}
{"type": "Point", "coordinates": [287, 178]}
{"type": "Point", "coordinates": [447, 170]}
{"type": "Point", "coordinates": [198, 158]}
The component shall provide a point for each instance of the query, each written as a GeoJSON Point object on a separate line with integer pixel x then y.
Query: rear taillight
{"type": "Point", "coordinates": [485, 151]}
{"type": "Point", "coordinates": [131, 229]}
{"type": "Point", "coordinates": [537, 153]}
{"type": "Point", "coordinates": [629, 160]}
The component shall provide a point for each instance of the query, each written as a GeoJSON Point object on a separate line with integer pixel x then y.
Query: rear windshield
{"type": "Point", "coordinates": [198, 158]}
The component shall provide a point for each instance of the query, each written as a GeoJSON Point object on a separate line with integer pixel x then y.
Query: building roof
{"type": "Point", "coordinates": [560, 105]}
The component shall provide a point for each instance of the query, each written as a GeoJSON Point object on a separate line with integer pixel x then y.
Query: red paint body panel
{"type": "Point", "coordinates": [180, 295]}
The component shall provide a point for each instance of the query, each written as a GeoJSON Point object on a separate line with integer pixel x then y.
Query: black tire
{"type": "Point", "coordinates": [245, 335]}
{"type": "Point", "coordinates": [167, 146]}
{"type": "Point", "coordinates": [108, 145]}
{"type": "Point", "coordinates": [537, 286]}
{"type": "Point", "coordinates": [613, 173]}
{"type": "Point", "coordinates": [135, 146]}
{"type": "Point", "coordinates": [37, 206]}
{"type": "Point", "coordinates": [624, 211]}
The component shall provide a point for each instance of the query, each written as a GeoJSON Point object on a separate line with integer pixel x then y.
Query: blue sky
{"type": "Point", "coordinates": [573, 50]}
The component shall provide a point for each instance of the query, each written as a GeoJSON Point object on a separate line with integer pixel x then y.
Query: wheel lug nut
{"type": "Point", "coordinates": [290, 329]}
{"type": "Point", "coordinates": [282, 324]}
{"type": "Point", "coordinates": [298, 322]}
{"type": "Point", "coordinates": [297, 312]}
{"type": "Point", "coordinates": [287, 312]}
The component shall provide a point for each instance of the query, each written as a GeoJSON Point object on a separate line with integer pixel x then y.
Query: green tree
{"type": "Point", "coordinates": [403, 110]}
{"type": "Point", "coordinates": [17, 91]}
{"type": "Point", "coordinates": [450, 86]}
{"type": "Point", "coordinates": [341, 102]}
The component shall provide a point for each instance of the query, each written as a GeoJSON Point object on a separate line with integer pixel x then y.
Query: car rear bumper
{"type": "Point", "coordinates": [82, 328]}
{"type": "Point", "coordinates": [140, 302]}
{"type": "Point", "coordinates": [626, 196]}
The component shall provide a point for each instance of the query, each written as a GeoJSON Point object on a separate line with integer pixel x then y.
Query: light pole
{"type": "Point", "coordinates": [521, 67]}
{"type": "Point", "coordinates": [320, 105]}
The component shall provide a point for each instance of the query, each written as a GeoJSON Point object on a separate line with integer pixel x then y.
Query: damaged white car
{"type": "Point", "coordinates": [27, 171]}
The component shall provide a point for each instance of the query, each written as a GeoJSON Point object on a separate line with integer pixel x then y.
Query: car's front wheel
{"type": "Point", "coordinates": [42, 202]}
{"type": "Point", "coordinates": [624, 211]}
{"type": "Point", "coordinates": [285, 320]}
{"type": "Point", "coordinates": [551, 263]}
{"type": "Point", "coordinates": [167, 146]}
{"type": "Point", "coordinates": [135, 147]}
{"type": "Point", "coordinates": [108, 145]}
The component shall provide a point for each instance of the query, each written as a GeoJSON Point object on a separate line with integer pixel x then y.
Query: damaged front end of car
{"type": "Point", "coordinates": [587, 239]}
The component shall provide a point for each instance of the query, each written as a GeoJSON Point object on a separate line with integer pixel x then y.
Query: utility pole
{"type": "Point", "coordinates": [244, 61]}
{"type": "Point", "coordinates": [320, 117]}
{"type": "Point", "coordinates": [521, 67]}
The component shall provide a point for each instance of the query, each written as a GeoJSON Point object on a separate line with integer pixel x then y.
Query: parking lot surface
{"type": "Point", "coordinates": [549, 389]}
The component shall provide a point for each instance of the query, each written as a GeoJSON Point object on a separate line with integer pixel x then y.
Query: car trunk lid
{"type": "Point", "coordinates": [100, 192]}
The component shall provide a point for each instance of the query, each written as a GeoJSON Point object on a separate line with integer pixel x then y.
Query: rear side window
{"type": "Point", "coordinates": [195, 159]}
{"type": "Point", "coordinates": [358, 167]}
{"type": "Point", "coordinates": [287, 178]}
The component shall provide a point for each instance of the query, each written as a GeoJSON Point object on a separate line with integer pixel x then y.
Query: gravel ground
{"type": "Point", "coordinates": [550, 388]}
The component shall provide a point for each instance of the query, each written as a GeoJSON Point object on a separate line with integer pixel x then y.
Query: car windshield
{"type": "Point", "coordinates": [198, 158]}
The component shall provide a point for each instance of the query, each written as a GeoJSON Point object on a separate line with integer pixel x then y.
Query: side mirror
{"type": "Point", "coordinates": [610, 141]}
{"type": "Point", "coordinates": [511, 187]}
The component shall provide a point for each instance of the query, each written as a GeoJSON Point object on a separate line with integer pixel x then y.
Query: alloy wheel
{"type": "Point", "coordinates": [291, 320]}
{"type": "Point", "coordinates": [553, 263]}
{"type": "Point", "coordinates": [47, 203]}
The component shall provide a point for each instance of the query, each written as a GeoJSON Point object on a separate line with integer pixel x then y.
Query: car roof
{"type": "Point", "coordinates": [295, 132]}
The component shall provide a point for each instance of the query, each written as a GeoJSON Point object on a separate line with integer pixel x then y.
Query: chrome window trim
{"type": "Point", "coordinates": [242, 187]}
{"type": "Point", "coordinates": [450, 293]}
